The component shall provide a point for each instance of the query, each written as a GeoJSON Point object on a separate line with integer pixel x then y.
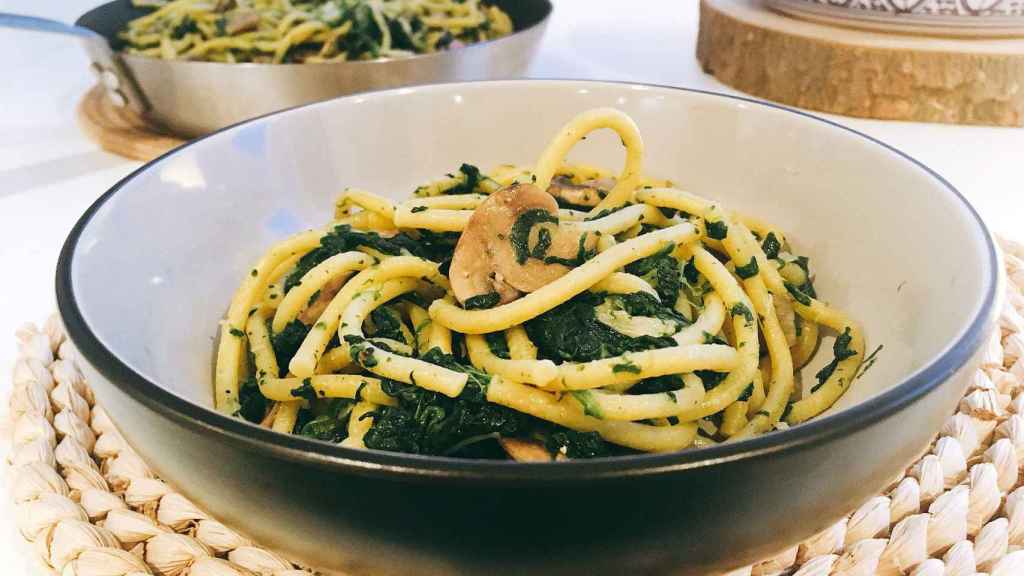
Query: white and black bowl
{"type": "Point", "coordinates": [147, 273]}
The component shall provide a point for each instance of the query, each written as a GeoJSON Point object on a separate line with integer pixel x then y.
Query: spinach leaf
{"type": "Point", "coordinates": [425, 422]}
{"type": "Point", "coordinates": [482, 301]}
{"type": "Point", "coordinates": [386, 322]}
{"type": "Point", "coordinates": [520, 234]}
{"type": "Point", "coordinates": [471, 179]}
{"type": "Point", "coordinates": [287, 342]}
{"type": "Point", "coordinates": [571, 331]}
{"type": "Point", "coordinates": [252, 404]}
{"type": "Point", "coordinates": [577, 444]}
{"type": "Point", "coordinates": [662, 271]}
{"type": "Point", "coordinates": [498, 345]}
{"type": "Point", "coordinates": [771, 246]}
{"type": "Point", "coordinates": [841, 351]}
{"type": "Point", "coordinates": [436, 247]}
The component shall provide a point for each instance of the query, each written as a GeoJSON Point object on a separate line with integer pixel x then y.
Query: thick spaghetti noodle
{"type": "Point", "coordinates": [277, 31]}
{"type": "Point", "coordinates": [589, 312]}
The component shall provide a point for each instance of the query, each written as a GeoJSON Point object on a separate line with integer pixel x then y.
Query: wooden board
{"type": "Point", "coordinates": [861, 73]}
{"type": "Point", "coordinates": [119, 131]}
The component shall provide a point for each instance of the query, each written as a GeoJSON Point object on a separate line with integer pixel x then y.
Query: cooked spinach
{"type": "Point", "coordinates": [426, 422]}
{"type": "Point", "coordinates": [571, 331]}
{"type": "Point", "coordinates": [748, 270]}
{"type": "Point", "coordinates": [331, 424]}
{"type": "Point", "coordinates": [543, 243]}
{"type": "Point", "coordinates": [385, 322]}
{"type": "Point", "coordinates": [482, 301]}
{"type": "Point", "coordinates": [662, 271]}
{"type": "Point", "coordinates": [710, 379]}
{"type": "Point", "coordinates": [361, 350]}
{"type": "Point", "coordinates": [657, 385]}
{"type": "Point", "coordinates": [627, 366]}
{"type": "Point", "coordinates": [287, 342]}
{"type": "Point", "coordinates": [430, 245]}
{"type": "Point", "coordinates": [717, 230]}
{"type": "Point", "coordinates": [306, 391]}
{"type": "Point", "coordinates": [586, 400]}
{"type": "Point", "coordinates": [740, 309]}
{"type": "Point", "coordinates": [771, 246]}
{"type": "Point", "coordinates": [520, 234]}
{"type": "Point", "coordinates": [798, 294]}
{"type": "Point", "coordinates": [690, 272]}
{"type": "Point", "coordinates": [363, 37]}
{"type": "Point", "coordinates": [582, 255]}
{"type": "Point", "coordinates": [185, 27]}
{"type": "Point", "coordinates": [644, 304]}
{"type": "Point", "coordinates": [575, 444]}
{"type": "Point", "coordinates": [747, 393]}
{"type": "Point", "coordinates": [252, 405]}
{"type": "Point", "coordinates": [470, 180]}
{"type": "Point", "coordinates": [498, 345]}
{"type": "Point", "coordinates": [841, 351]}
{"type": "Point", "coordinates": [607, 211]}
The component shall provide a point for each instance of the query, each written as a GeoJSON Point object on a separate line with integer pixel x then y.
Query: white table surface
{"type": "Point", "coordinates": [49, 172]}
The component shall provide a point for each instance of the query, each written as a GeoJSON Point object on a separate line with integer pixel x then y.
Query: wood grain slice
{"type": "Point", "coordinates": [121, 132]}
{"type": "Point", "coordinates": [861, 73]}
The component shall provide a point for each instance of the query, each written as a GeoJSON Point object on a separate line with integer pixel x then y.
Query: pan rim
{"type": "Point", "coordinates": [546, 5]}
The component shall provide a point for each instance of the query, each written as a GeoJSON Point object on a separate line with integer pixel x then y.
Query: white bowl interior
{"type": "Point", "coordinates": [157, 264]}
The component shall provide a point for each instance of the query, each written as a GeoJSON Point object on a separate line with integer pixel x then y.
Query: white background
{"type": "Point", "coordinates": [49, 172]}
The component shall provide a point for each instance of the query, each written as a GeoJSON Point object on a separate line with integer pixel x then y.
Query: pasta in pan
{"type": "Point", "coordinates": [547, 312]}
{"type": "Point", "coordinates": [308, 31]}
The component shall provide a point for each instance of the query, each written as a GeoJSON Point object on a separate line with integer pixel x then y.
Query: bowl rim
{"type": "Point", "coordinates": [396, 465]}
{"type": "Point", "coordinates": [547, 7]}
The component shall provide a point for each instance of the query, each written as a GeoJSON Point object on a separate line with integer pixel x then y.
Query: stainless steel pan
{"type": "Point", "coordinates": [193, 98]}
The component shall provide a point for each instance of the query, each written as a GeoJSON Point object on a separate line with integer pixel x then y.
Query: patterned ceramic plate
{"type": "Point", "coordinates": [949, 17]}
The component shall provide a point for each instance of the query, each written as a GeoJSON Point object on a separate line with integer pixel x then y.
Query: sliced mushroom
{"type": "Point", "coordinates": [323, 298]}
{"type": "Point", "coordinates": [525, 450]}
{"type": "Point", "coordinates": [224, 5]}
{"type": "Point", "coordinates": [486, 258]}
{"type": "Point", "coordinates": [588, 193]}
{"type": "Point", "coordinates": [241, 21]}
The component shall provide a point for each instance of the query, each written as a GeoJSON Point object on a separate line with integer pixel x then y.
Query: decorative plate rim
{"type": "Point", "coordinates": [965, 19]}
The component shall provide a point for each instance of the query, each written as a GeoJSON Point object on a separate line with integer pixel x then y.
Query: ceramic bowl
{"type": "Point", "coordinates": [941, 17]}
{"type": "Point", "coordinates": [147, 273]}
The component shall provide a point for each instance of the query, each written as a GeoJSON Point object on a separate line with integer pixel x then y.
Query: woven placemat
{"type": "Point", "coordinates": [91, 507]}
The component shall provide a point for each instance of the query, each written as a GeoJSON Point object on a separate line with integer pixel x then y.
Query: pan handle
{"type": "Point", "coordinates": [36, 24]}
{"type": "Point", "coordinates": [107, 66]}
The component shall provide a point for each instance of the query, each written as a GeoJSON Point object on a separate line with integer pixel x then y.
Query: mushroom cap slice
{"type": "Point", "coordinates": [323, 298]}
{"type": "Point", "coordinates": [588, 193]}
{"type": "Point", "coordinates": [525, 450]}
{"type": "Point", "coordinates": [241, 21]}
{"type": "Point", "coordinates": [486, 259]}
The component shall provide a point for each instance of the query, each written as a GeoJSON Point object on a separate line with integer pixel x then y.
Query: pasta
{"type": "Point", "coordinates": [579, 311]}
{"type": "Point", "coordinates": [308, 31]}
